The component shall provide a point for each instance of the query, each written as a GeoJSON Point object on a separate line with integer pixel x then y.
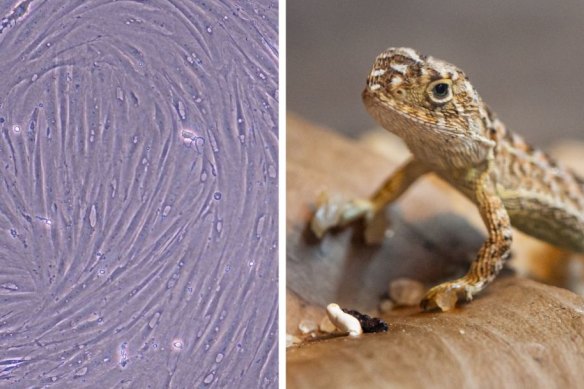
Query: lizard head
{"type": "Point", "coordinates": [426, 100]}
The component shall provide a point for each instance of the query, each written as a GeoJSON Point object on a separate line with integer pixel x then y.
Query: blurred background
{"type": "Point", "coordinates": [526, 58]}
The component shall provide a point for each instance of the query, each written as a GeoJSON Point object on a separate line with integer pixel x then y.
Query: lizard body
{"type": "Point", "coordinates": [433, 107]}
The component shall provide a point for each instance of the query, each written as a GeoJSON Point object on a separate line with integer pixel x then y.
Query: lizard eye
{"type": "Point", "coordinates": [440, 91]}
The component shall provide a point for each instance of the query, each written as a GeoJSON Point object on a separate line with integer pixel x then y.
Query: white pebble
{"type": "Point", "coordinates": [406, 292]}
{"type": "Point", "coordinates": [292, 340]}
{"type": "Point", "coordinates": [307, 326]}
{"type": "Point", "coordinates": [386, 305]}
{"type": "Point", "coordinates": [343, 321]}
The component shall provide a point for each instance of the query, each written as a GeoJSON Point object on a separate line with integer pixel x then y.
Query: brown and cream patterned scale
{"type": "Point", "coordinates": [433, 107]}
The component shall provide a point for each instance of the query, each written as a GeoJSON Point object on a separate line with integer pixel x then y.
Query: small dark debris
{"type": "Point", "coordinates": [368, 324]}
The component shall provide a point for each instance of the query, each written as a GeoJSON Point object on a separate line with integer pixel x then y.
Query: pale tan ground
{"type": "Point", "coordinates": [518, 332]}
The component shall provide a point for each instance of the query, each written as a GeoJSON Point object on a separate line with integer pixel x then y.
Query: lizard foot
{"type": "Point", "coordinates": [446, 295]}
{"type": "Point", "coordinates": [333, 211]}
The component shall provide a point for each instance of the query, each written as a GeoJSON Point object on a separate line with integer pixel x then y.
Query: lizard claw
{"type": "Point", "coordinates": [336, 212]}
{"type": "Point", "coordinates": [327, 215]}
{"type": "Point", "coordinates": [446, 295]}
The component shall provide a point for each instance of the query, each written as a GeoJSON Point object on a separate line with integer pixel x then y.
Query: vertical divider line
{"type": "Point", "coordinates": [282, 194]}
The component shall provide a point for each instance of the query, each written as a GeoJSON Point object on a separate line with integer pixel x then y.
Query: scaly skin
{"type": "Point", "coordinates": [433, 107]}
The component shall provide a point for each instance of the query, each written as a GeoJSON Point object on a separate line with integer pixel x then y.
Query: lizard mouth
{"type": "Point", "coordinates": [365, 95]}
{"type": "Point", "coordinates": [382, 109]}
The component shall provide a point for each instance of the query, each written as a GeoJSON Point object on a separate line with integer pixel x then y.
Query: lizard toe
{"type": "Point", "coordinates": [445, 296]}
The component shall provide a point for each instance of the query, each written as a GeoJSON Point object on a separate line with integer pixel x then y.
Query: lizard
{"type": "Point", "coordinates": [432, 106]}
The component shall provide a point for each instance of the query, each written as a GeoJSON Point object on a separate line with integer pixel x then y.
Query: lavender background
{"type": "Point", "coordinates": [138, 194]}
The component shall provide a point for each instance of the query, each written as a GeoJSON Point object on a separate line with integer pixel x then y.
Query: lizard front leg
{"type": "Point", "coordinates": [332, 213]}
{"type": "Point", "coordinates": [490, 258]}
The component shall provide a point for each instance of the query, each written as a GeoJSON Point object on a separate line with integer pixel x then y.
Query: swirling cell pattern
{"type": "Point", "coordinates": [138, 193]}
